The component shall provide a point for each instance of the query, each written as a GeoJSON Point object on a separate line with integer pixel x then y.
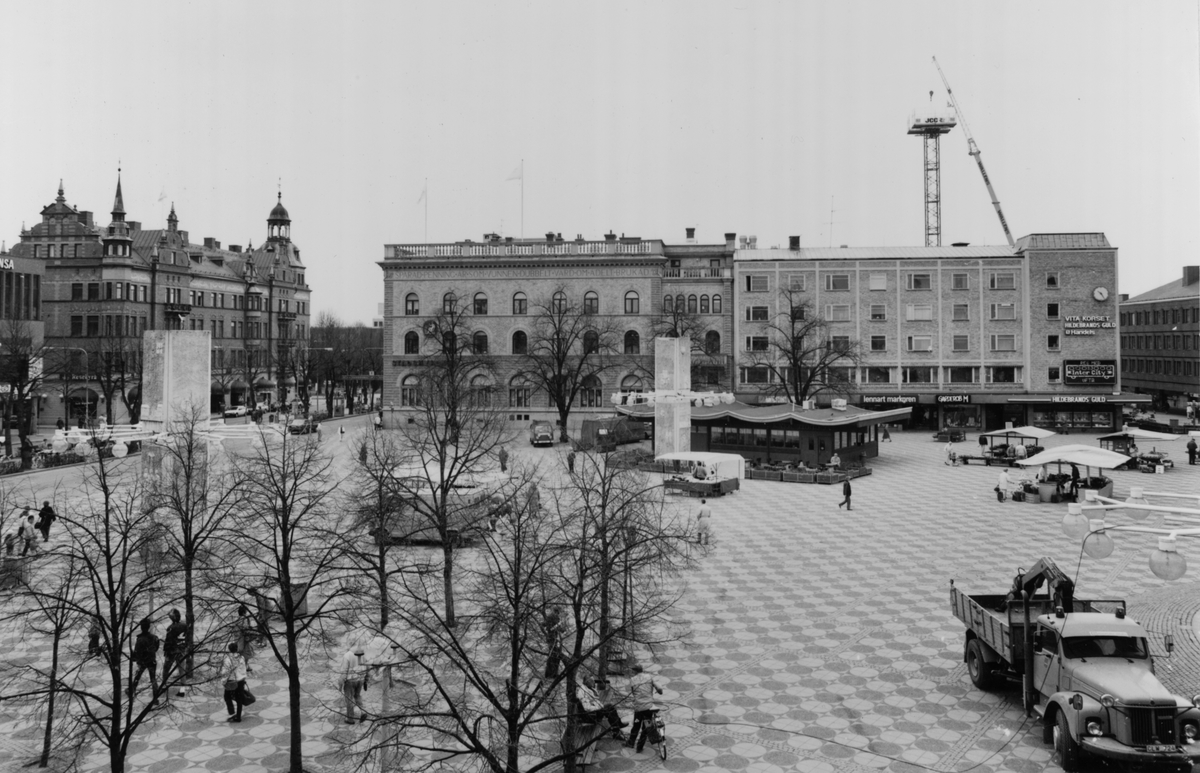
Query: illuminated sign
{"type": "Point", "coordinates": [945, 399]}
{"type": "Point", "coordinates": [1087, 324]}
{"type": "Point", "coordinates": [1079, 399]}
{"type": "Point", "coordinates": [888, 399]}
{"type": "Point", "coordinates": [1099, 372]}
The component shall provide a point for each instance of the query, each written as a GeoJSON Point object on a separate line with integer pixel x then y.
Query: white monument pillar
{"type": "Point", "coordinates": [176, 376]}
{"type": "Point", "coordinates": [672, 401]}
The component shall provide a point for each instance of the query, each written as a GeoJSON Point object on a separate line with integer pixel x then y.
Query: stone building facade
{"type": "Point", "coordinates": [1160, 341]}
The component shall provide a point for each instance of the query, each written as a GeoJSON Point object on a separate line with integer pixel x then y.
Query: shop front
{"type": "Point", "coordinates": [918, 416]}
{"type": "Point", "coordinates": [958, 411]}
{"type": "Point", "coordinates": [1078, 413]}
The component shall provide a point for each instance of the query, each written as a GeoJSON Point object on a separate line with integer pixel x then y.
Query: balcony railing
{"type": "Point", "coordinates": [697, 273]}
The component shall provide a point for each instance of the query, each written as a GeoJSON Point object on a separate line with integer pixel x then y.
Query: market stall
{"type": "Point", "coordinates": [1131, 441]}
{"type": "Point", "coordinates": [1007, 446]}
{"type": "Point", "coordinates": [701, 473]}
{"type": "Point", "coordinates": [1054, 485]}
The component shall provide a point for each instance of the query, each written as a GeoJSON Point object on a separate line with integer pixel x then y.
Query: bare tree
{"type": "Point", "coordinates": [799, 354]}
{"type": "Point", "coordinates": [568, 345]}
{"type": "Point", "coordinates": [129, 381]}
{"type": "Point", "coordinates": [22, 354]}
{"type": "Point", "coordinates": [113, 358]}
{"type": "Point", "coordinates": [707, 362]}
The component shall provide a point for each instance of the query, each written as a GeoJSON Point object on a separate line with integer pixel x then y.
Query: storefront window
{"type": "Point", "coordinates": [964, 416]}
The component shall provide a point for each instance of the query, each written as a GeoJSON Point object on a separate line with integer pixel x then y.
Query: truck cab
{"type": "Point", "coordinates": [541, 433]}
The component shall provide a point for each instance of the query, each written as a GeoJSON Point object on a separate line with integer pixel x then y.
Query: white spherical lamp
{"type": "Point", "coordinates": [120, 450]}
{"type": "Point", "coordinates": [74, 437]}
{"type": "Point", "coordinates": [1075, 523]}
{"type": "Point", "coordinates": [1097, 543]}
{"type": "Point", "coordinates": [1166, 562]}
{"type": "Point", "coordinates": [60, 446]}
{"type": "Point", "coordinates": [1136, 498]}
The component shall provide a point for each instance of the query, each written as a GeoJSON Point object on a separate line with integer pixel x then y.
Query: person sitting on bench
{"type": "Point", "coordinates": [593, 711]}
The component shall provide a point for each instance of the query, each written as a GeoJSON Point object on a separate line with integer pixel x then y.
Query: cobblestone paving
{"type": "Point", "coordinates": [818, 639]}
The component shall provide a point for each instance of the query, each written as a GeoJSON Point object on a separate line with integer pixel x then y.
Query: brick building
{"type": "Point", "coordinates": [626, 282]}
{"type": "Point", "coordinates": [1160, 341]}
{"type": "Point", "coordinates": [104, 286]}
{"type": "Point", "coordinates": [969, 336]}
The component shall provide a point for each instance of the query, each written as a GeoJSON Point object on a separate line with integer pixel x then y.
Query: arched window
{"type": "Point", "coordinates": [633, 343]}
{"type": "Point", "coordinates": [632, 305]}
{"type": "Point", "coordinates": [408, 391]}
{"type": "Point", "coordinates": [520, 343]}
{"type": "Point", "coordinates": [480, 305]}
{"type": "Point", "coordinates": [692, 307]}
{"type": "Point", "coordinates": [519, 393]}
{"type": "Point", "coordinates": [591, 303]}
{"type": "Point", "coordinates": [631, 384]}
{"type": "Point", "coordinates": [712, 342]}
{"type": "Point", "coordinates": [449, 302]}
{"type": "Point", "coordinates": [591, 342]}
{"type": "Point", "coordinates": [412, 305]}
{"type": "Point", "coordinates": [591, 395]}
{"type": "Point", "coordinates": [481, 391]}
{"type": "Point", "coordinates": [558, 303]}
{"type": "Point", "coordinates": [716, 304]}
{"type": "Point", "coordinates": [449, 342]}
{"type": "Point", "coordinates": [668, 303]}
{"type": "Point", "coordinates": [479, 343]}
{"type": "Point", "coordinates": [520, 304]}
{"type": "Point", "coordinates": [679, 307]}
{"type": "Point", "coordinates": [703, 304]}
{"type": "Point", "coordinates": [412, 343]}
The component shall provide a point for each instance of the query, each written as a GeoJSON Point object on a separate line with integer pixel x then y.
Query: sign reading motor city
{"type": "Point", "coordinates": [1087, 324]}
{"type": "Point", "coordinates": [1100, 372]}
{"type": "Point", "coordinates": [887, 399]}
{"type": "Point", "coordinates": [951, 399]}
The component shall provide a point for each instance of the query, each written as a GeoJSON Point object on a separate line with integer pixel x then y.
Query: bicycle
{"type": "Point", "coordinates": [656, 733]}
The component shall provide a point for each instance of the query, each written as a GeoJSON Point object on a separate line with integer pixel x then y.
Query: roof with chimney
{"type": "Point", "coordinates": [1179, 290]}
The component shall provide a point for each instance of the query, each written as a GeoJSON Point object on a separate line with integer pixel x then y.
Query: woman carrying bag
{"type": "Point", "coordinates": [236, 693]}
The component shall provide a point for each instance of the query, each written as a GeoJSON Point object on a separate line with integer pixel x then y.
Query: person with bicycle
{"type": "Point", "coordinates": [641, 689]}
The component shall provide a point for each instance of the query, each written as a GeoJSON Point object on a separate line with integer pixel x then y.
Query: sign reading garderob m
{"type": "Point", "coordinates": [1102, 372]}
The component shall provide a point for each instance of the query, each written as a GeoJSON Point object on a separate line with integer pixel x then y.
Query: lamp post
{"type": "Point", "coordinates": [1166, 563]}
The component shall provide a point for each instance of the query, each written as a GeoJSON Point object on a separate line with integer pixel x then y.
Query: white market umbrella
{"type": "Point", "coordinates": [1079, 455]}
{"type": "Point", "coordinates": [1028, 433]}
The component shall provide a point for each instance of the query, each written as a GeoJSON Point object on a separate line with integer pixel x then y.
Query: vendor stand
{"type": "Point", "coordinates": [1126, 442]}
{"type": "Point", "coordinates": [702, 474]}
{"type": "Point", "coordinates": [1059, 483]}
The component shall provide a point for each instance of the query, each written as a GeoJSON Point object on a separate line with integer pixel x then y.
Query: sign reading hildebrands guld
{"type": "Point", "coordinates": [1096, 372]}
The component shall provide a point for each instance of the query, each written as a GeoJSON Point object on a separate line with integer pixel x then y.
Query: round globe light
{"type": "Point", "coordinates": [616, 399]}
{"type": "Point", "coordinates": [1075, 523]}
{"type": "Point", "coordinates": [75, 437]}
{"type": "Point", "coordinates": [1097, 543]}
{"type": "Point", "coordinates": [1136, 497]}
{"type": "Point", "coordinates": [1166, 563]}
{"type": "Point", "coordinates": [120, 450]}
{"type": "Point", "coordinates": [60, 446]}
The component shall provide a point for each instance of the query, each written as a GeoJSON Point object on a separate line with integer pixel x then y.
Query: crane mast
{"type": "Point", "coordinates": [973, 149]}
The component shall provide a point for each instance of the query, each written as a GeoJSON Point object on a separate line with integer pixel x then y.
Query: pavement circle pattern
{"type": "Point", "coordinates": [814, 639]}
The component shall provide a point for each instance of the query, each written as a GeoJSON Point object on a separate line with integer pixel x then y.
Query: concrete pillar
{"type": "Point", "coordinates": [672, 415]}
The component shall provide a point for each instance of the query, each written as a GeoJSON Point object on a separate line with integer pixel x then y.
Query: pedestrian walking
{"type": "Point", "coordinates": [887, 436]}
{"type": "Point", "coordinates": [703, 519]}
{"type": "Point", "coordinates": [234, 669]}
{"type": "Point", "coordinates": [341, 434]}
{"type": "Point", "coordinates": [571, 462]}
{"type": "Point", "coordinates": [46, 516]}
{"type": "Point", "coordinates": [28, 533]}
{"type": "Point", "coordinates": [640, 687]}
{"type": "Point", "coordinates": [352, 673]}
{"type": "Point", "coordinates": [1002, 485]}
{"type": "Point", "coordinates": [145, 658]}
{"type": "Point", "coordinates": [503, 457]}
{"type": "Point", "coordinates": [174, 648]}
{"type": "Point", "coordinates": [1191, 449]}
{"type": "Point", "coordinates": [10, 544]}
{"type": "Point", "coordinates": [846, 494]}
{"type": "Point", "coordinates": [951, 457]}
{"type": "Point", "coordinates": [1074, 483]}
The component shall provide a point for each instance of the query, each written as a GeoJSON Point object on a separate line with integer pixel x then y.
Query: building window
{"type": "Point", "coordinates": [879, 375]}
{"type": "Point", "coordinates": [1054, 375]}
{"type": "Point", "coordinates": [449, 303]}
{"type": "Point", "coordinates": [1002, 280]}
{"type": "Point", "coordinates": [479, 343]}
{"type": "Point", "coordinates": [704, 307]}
{"type": "Point", "coordinates": [1051, 311]}
{"type": "Point", "coordinates": [558, 303]}
{"type": "Point", "coordinates": [1052, 283]}
{"type": "Point", "coordinates": [633, 343]}
{"type": "Point", "coordinates": [412, 306]}
{"type": "Point", "coordinates": [591, 303]}
{"type": "Point", "coordinates": [520, 342]}
{"type": "Point", "coordinates": [837, 281]}
{"type": "Point", "coordinates": [756, 343]}
{"type": "Point", "coordinates": [591, 342]}
{"type": "Point", "coordinates": [879, 343]}
{"type": "Point", "coordinates": [520, 304]}
{"type": "Point", "coordinates": [920, 282]}
{"type": "Point", "coordinates": [840, 343]}
{"type": "Point", "coordinates": [591, 393]}
{"type": "Point", "coordinates": [1003, 374]}
{"type": "Point", "coordinates": [837, 312]}
{"type": "Point", "coordinates": [408, 391]}
{"type": "Point", "coordinates": [878, 282]}
{"type": "Point", "coordinates": [716, 304]}
{"type": "Point", "coordinates": [919, 375]}
{"type": "Point", "coordinates": [93, 326]}
{"type": "Point", "coordinates": [518, 394]}
{"type": "Point", "coordinates": [76, 326]}
{"type": "Point", "coordinates": [757, 283]}
{"type": "Point", "coordinates": [917, 312]}
{"type": "Point", "coordinates": [480, 305]}
{"type": "Point", "coordinates": [712, 342]}
{"type": "Point", "coordinates": [680, 304]}
{"type": "Point", "coordinates": [961, 312]}
{"type": "Point", "coordinates": [1004, 311]}
{"type": "Point", "coordinates": [961, 375]}
{"type": "Point", "coordinates": [668, 304]}
{"type": "Point", "coordinates": [631, 302]}
{"type": "Point", "coordinates": [1052, 343]}
{"type": "Point", "coordinates": [756, 313]}
{"type": "Point", "coordinates": [481, 392]}
{"type": "Point", "coordinates": [755, 375]}
{"type": "Point", "coordinates": [93, 291]}
{"type": "Point", "coordinates": [797, 282]}
{"type": "Point", "coordinates": [412, 343]}
{"type": "Point", "coordinates": [878, 312]}
{"type": "Point", "coordinates": [960, 282]}
{"type": "Point", "coordinates": [920, 343]}
{"type": "Point", "coordinates": [1004, 343]}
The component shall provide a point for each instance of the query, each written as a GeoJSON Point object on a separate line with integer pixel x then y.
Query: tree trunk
{"type": "Point", "coordinates": [295, 738]}
{"type": "Point", "coordinates": [45, 760]}
{"type": "Point", "coordinates": [189, 617]}
{"type": "Point", "coordinates": [384, 600]}
{"type": "Point", "coordinates": [447, 575]}
{"type": "Point", "coordinates": [564, 412]}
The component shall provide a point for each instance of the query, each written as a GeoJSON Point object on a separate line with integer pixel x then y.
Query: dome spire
{"type": "Point", "coordinates": [61, 198]}
{"type": "Point", "coordinates": [118, 210]}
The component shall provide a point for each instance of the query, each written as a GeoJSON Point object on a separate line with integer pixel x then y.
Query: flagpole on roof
{"type": "Point", "coordinates": [427, 210]}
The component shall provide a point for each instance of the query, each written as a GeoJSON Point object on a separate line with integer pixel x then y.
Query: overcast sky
{"type": "Point", "coordinates": [642, 118]}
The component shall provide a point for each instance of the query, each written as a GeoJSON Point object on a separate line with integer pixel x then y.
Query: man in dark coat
{"type": "Point", "coordinates": [46, 516]}
{"type": "Point", "coordinates": [846, 494]}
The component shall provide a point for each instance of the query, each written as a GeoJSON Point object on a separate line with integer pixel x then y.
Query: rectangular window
{"type": "Point", "coordinates": [76, 326]}
{"type": "Point", "coordinates": [1051, 311]}
{"type": "Point", "coordinates": [919, 312]}
{"type": "Point", "coordinates": [1004, 343]}
{"type": "Point", "coordinates": [756, 375]}
{"type": "Point", "coordinates": [1052, 280]}
{"type": "Point", "coordinates": [961, 375]}
{"type": "Point", "coordinates": [878, 282]}
{"type": "Point", "coordinates": [1052, 343]}
{"type": "Point", "coordinates": [837, 312]}
{"type": "Point", "coordinates": [93, 326]}
{"type": "Point", "coordinates": [1002, 280]}
{"type": "Point", "coordinates": [632, 303]}
{"type": "Point", "coordinates": [757, 283]}
{"type": "Point", "coordinates": [77, 291]}
{"type": "Point", "coordinates": [960, 282]}
{"type": "Point", "coordinates": [918, 375]}
{"type": "Point", "coordinates": [837, 281]}
{"type": "Point", "coordinates": [93, 291]}
{"type": "Point", "coordinates": [756, 313]}
{"type": "Point", "coordinates": [879, 375]}
{"type": "Point", "coordinates": [920, 343]}
{"type": "Point", "coordinates": [961, 312]}
{"type": "Point", "coordinates": [1003, 374]}
{"type": "Point", "coordinates": [920, 282]}
{"type": "Point", "coordinates": [840, 343]}
{"type": "Point", "coordinates": [481, 306]}
{"type": "Point", "coordinates": [879, 343]}
{"type": "Point", "coordinates": [961, 343]}
{"type": "Point", "coordinates": [756, 343]}
{"type": "Point", "coordinates": [1003, 311]}
{"type": "Point", "coordinates": [797, 282]}
{"type": "Point", "coordinates": [878, 312]}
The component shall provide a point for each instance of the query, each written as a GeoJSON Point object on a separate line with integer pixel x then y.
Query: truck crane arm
{"type": "Point", "coordinates": [1059, 587]}
{"type": "Point", "coordinates": [973, 149]}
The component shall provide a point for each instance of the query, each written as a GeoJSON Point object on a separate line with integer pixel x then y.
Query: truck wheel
{"type": "Point", "coordinates": [980, 669]}
{"type": "Point", "coordinates": [1064, 745]}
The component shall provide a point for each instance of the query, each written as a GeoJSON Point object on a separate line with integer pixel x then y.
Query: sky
{"type": "Point", "coordinates": [760, 118]}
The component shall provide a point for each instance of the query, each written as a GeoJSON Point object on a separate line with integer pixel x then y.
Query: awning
{"type": "Point", "coordinates": [1087, 456]}
{"type": "Point", "coordinates": [721, 465]}
{"type": "Point", "coordinates": [1027, 433]}
{"type": "Point", "coordinates": [1074, 400]}
{"type": "Point", "coordinates": [1140, 434]}
{"type": "Point", "coordinates": [775, 414]}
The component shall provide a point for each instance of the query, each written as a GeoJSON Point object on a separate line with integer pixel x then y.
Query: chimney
{"type": "Point", "coordinates": [691, 235]}
{"type": "Point", "coordinates": [135, 225]}
{"type": "Point", "coordinates": [961, 244]}
{"type": "Point", "coordinates": [752, 241]}
{"type": "Point", "coordinates": [550, 237]}
{"type": "Point", "coordinates": [508, 239]}
{"type": "Point", "coordinates": [208, 242]}
{"type": "Point", "coordinates": [1191, 275]}
{"type": "Point", "coordinates": [235, 248]}
{"type": "Point", "coordinates": [730, 240]}
{"type": "Point", "coordinates": [1122, 297]}
{"type": "Point", "coordinates": [794, 243]}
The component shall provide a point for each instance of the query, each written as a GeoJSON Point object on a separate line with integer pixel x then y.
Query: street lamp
{"type": "Point", "coordinates": [1166, 563]}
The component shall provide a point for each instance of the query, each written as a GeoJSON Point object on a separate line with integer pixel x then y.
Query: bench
{"type": "Point", "coordinates": [584, 741]}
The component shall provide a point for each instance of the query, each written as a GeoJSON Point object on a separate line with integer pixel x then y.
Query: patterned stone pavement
{"type": "Point", "coordinates": [813, 639]}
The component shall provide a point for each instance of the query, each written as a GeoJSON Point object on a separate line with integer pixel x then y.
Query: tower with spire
{"type": "Point", "coordinates": [279, 225]}
{"type": "Point", "coordinates": [118, 241]}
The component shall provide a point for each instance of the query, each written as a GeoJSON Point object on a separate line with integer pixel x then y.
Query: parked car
{"type": "Point", "coordinates": [303, 426]}
{"type": "Point", "coordinates": [541, 433]}
{"type": "Point", "coordinates": [235, 411]}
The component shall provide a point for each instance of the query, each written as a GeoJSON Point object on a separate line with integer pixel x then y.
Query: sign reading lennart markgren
{"type": "Point", "coordinates": [888, 399]}
{"type": "Point", "coordinates": [1099, 372]}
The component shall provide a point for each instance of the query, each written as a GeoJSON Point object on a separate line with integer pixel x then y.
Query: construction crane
{"type": "Point", "coordinates": [973, 149]}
